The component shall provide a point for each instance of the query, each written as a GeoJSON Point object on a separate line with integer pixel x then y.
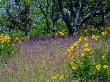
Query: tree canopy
{"type": "Point", "coordinates": [25, 14]}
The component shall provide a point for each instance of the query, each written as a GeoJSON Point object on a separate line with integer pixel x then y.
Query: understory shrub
{"type": "Point", "coordinates": [6, 48]}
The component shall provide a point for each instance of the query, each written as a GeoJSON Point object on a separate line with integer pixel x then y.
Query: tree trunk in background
{"type": "Point", "coordinates": [71, 28]}
{"type": "Point", "coordinates": [47, 24]}
{"type": "Point", "coordinates": [54, 26]}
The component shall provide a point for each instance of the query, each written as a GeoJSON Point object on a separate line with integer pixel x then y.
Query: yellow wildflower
{"type": "Point", "coordinates": [98, 67]}
{"type": "Point", "coordinates": [60, 33]}
{"type": "Point", "coordinates": [66, 53]}
{"type": "Point", "coordinates": [61, 77]}
{"type": "Point", "coordinates": [74, 66]}
{"type": "Point", "coordinates": [96, 37]}
{"type": "Point", "coordinates": [104, 33]}
{"type": "Point", "coordinates": [77, 61]}
{"type": "Point", "coordinates": [93, 36]}
{"type": "Point", "coordinates": [82, 54]}
{"type": "Point", "coordinates": [75, 44]}
{"type": "Point", "coordinates": [86, 47]}
{"type": "Point", "coordinates": [86, 44]}
{"type": "Point", "coordinates": [54, 77]}
{"type": "Point", "coordinates": [76, 53]}
{"type": "Point", "coordinates": [68, 50]}
{"type": "Point", "coordinates": [81, 38]}
{"type": "Point", "coordinates": [86, 38]}
{"type": "Point", "coordinates": [72, 47]}
{"type": "Point", "coordinates": [72, 57]}
{"type": "Point", "coordinates": [7, 38]}
{"type": "Point", "coordinates": [105, 66]}
{"type": "Point", "coordinates": [4, 38]}
{"type": "Point", "coordinates": [73, 50]}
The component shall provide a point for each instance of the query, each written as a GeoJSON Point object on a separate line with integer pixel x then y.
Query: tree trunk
{"type": "Point", "coordinates": [71, 29]}
{"type": "Point", "coordinates": [26, 33]}
{"type": "Point", "coordinates": [47, 24]}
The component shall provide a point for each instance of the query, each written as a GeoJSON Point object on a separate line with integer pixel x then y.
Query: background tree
{"type": "Point", "coordinates": [78, 12]}
{"type": "Point", "coordinates": [17, 15]}
{"type": "Point", "coordinates": [49, 14]}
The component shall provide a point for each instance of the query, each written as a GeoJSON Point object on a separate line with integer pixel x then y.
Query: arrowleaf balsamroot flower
{"type": "Point", "coordinates": [72, 57]}
{"type": "Point", "coordinates": [104, 33]}
{"type": "Point", "coordinates": [82, 54]}
{"type": "Point", "coordinates": [95, 37]}
{"type": "Point", "coordinates": [4, 38]}
{"type": "Point", "coordinates": [105, 66]}
{"type": "Point", "coordinates": [80, 39]}
{"type": "Point", "coordinates": [74, 66]}
{"type": "Point", "coordinates": [98, 67]}
{"type": "Point", "coordinates": [86, 38]}
{"type": "Point", "coordinates": [57, 77]}
{"type": "Point", "coordinates": [59, 33]}
{"type": "Point", "coordinates": [54, 77]}
{"type": "Point", "coordinates": [86, 47]}
{"type": "Point", "coordinates": [61, 77]}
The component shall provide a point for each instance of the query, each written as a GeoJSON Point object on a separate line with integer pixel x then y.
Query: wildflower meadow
{"type": "Point", "coordinates": [54, 40]}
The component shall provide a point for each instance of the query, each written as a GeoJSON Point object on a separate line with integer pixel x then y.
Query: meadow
{"type": "Point", "coordinates": [60, 58]}
{"type": "Point", "coordinates": [54, 40]}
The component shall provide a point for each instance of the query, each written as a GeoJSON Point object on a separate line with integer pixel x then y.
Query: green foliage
{"type": "Point", "coordinates": [86, 69]}
{"type": "Point", "coordinates": [40, 29]}
{"type": "Point", "coordinates": [91, 30]}
{"type": "Point", "coordinates": [93, 65]}
{"type": "Point", "coordinates": [26, 1]}
{"type": "Point", "coordinates": [61, 26]}
{"type": "Point", "coordinates": [14, 34]}
{"type": "Point", "coordinates": [37, 31]}
{"type": "Point", "coordinates": [19, 18]}
{"type": "Point", "coordinates": [6, 51]}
